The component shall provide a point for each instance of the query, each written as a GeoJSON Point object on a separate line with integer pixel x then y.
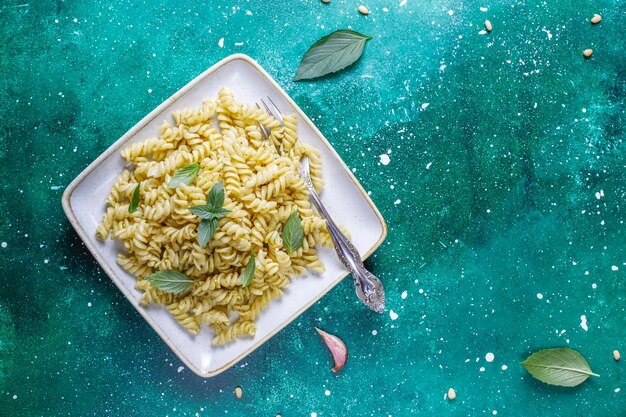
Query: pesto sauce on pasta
{"type": "Point", "coordinates": [262, 188]}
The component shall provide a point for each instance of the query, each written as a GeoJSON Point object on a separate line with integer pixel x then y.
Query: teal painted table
{"type": "Point", "coordinates": [504, 193]}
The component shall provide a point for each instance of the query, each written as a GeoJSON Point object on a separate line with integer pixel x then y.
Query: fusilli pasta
{"type": "Point", "coordinates": [262, 188]}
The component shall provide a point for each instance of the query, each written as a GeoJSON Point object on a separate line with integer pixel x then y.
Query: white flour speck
{"type": "Point", "coordinates": [614, 268]}
{"type": "Point", "coordinates": [404, 294]}
{"type": "Point", "coordinates": [397, 202]}
{"type": "Point", "coordinates": [489, 357]}
{"type": "Point", "coordinates": [450, 12]}
{"type": "Point", "coordinates": [385, 9]}
{"type": "Point", "coordinates": [4, 244]}
{"type": "Point", "coordinates": [180, 369]}
{"type": "Point", "coordinates": [504, 367]}
{"type": "Point", "coordinates": [384, 159]}
{"type": "Point", "coordinates": [617, 390]}
{"type": "Point", "coordinates": [594, 285]}
{"type": "Point", "coordinates": [220, 43]}
{"type": "Point", "coordinates": [45, 261]}
{"type": "Point", "coordinates": [374, 332]}
{"type": "Point", "coordinates": [539, 296]}
{"type": "Point", "coordinates": [482, 369]}
{"type": "Point", "coordinates": [402, 3]}
{"type": "Point", "coordinates": [327, 392]}
{"type": "Point", "coordinates": [15, 397]}
{"type": "Point", "coordinates": [89, 304]}
{"type": "Point", "coordinates": [483, 9]}
{"type": "Point", "coordinates": [428, 165]}
{"type": "Point", "coordinates": [583, 322]}
{"type": "Point", "coordinates": [482, 32]}
{"type": "Point", "coordinates": [313, 414]}
{"type": "Point", "coordinates": [598, 195]}
{"type": "Point", "coordinates": [425, 105]}
{"type": "Point", "coordinates": [149, 90]}
{"type": "Point", "coordinates": [393, 315]}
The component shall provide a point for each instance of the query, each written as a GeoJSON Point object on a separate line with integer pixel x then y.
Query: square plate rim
{"type": "Point", "coordinates": [115, 147]}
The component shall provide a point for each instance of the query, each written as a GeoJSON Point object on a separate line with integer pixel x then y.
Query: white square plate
{"type": "Point", "coordinates": [348, 203]}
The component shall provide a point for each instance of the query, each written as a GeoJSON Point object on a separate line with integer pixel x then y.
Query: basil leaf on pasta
{"type": "Point", "coordinates": [134, 201]}
{"type": "Point", "coordinates": [248, 273]}
{"type": "Point", "coordinates": [215, 200]}
{"type": "Point", "coordinates": [220, 213]}
{"type": "Point", "coordinates": [206, 230]}
{"type": "Point", "coordinates": [292, 234]}
{"type": "Point", "coordinates": [184, 175]}
{"type": "Point", "coordinates": [204, 212]}
{"type": "Point", "coordinates": [169, 281]}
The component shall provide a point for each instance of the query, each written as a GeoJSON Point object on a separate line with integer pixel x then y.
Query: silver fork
{"type": "Point", "coordinates": [368, 288]}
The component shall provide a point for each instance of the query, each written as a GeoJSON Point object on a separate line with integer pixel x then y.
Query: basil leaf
{"type": "Point", "coordinates": [220, 213]}
{"type": "Point", "coordinates": [206, 230]}
{"type": "Point", "coordinates": [205, 212]}
{"type": "Point", "coordinates": [184, 175]}
{"type": "Point", "coordinates": [202, 211]}
{"type": "Point", "coordinates": [331, 53]}
{"type": "Point", "coordinates": [292, 234]}
{"type": "Point", "coordinates": [215, 200]}
{"type": "Point", "coordinates": [563, 366]}
{"type": "Point", "coordinates": [248, 273]}
{"type": "Point", "coordinates": [134, 201]}
{"type": "Point", "coordinates": [169, 281]}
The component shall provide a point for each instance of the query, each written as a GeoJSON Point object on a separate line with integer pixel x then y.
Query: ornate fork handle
{"type": "Point", "coordinates": [368, 288]}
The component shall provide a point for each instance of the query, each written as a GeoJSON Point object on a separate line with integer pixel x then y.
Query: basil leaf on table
{"type": "Point", "coordinates": [248, 273]}
{"type": "Point", "coordinates": [292, 234]}
{"type": "Point", "coordinates": [564, 367]}
{"type": "Point", "coordinates": [331, 53]}
{"type": "Point", "coordinates": [184, 175]}
{"type": "Point", "coordinates": [134, 201]}
{"type": "Point", "coordinates": [169, 281]}
{"type": "Point", "coordinates": [206, 230]}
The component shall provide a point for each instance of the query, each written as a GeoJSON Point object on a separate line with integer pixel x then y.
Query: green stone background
{"type": "Point", "coordinates": [507, 209]}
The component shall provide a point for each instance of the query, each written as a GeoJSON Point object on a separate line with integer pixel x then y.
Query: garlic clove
{"type": "Point", "coordinates": [337, 349]}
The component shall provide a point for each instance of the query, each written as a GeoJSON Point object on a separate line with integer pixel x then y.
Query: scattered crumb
{"type": "Point", "coordinates": [489, 357]}
{"type": "Point", "coordinates": [583, 322]}
{"type": "Point", "coordinates": [220, 43]}
{"type": "Point", "coordinates": [393, 315]}
{"type": "Point", "coordinates": [404, 295]}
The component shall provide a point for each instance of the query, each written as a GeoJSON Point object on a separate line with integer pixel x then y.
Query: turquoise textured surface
{"type": "Point", "coordinates": [497, 160]}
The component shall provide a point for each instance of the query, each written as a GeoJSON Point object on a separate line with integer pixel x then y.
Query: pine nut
{"type": "Point", "coordinates": [238, 392]}
{"type": "Point", "coordinates": [325, 1]}
{"type": "Point", "coordinates": [363, 10]}
{"type": "Point", "coordinates": [451, 394]}
{"type": "Point", "coordinates": [616, 355]}
{"type": "Point", "coordinates": [587, 52]}
{"type": "Point", "coordinates": [488, 26]}
{"type": "Point", "coordinates": [596, 19]}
